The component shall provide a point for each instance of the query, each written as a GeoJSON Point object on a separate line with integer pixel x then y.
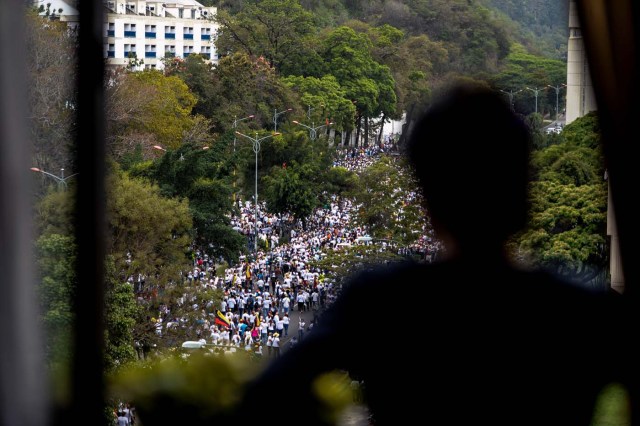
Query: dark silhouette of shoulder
{"type": "Point", "coordinates": [470, 338]}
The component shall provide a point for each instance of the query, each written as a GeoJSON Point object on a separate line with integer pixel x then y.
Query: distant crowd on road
{"type": "Point", "coordinates": [262, 293]}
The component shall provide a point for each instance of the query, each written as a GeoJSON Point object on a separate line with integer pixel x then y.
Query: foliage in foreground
{"type": "Point", "coordinates": [202, 387]}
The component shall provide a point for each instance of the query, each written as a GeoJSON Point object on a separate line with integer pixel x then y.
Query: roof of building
{"type": "Point", "coordinates": [183, 3]}
{"type": "Point", "coordinates": [67, 9]}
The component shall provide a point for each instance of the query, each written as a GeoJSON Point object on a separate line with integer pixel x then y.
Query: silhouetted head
{"type": "Point", "coordinates": [471, 156]}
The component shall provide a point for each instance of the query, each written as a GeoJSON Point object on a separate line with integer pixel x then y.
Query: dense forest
{"type": "Point", "coordinates": [541, 25]}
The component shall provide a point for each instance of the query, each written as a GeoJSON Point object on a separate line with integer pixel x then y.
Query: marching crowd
{"type": "Point", "coordinates": [261, 294]}
{"type": "Point", "coordinates": [273, 300]}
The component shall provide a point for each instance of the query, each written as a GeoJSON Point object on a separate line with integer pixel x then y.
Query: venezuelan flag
{"type": "Point", "coordinates": [221, 319]}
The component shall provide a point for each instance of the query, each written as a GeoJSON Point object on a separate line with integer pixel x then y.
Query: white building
{"type": "Point", "coordinates": [152, 30]}
{"type": "Point", "coordinates": [580, 96]}
{"type": "Point", "coordinates": [59, 10]}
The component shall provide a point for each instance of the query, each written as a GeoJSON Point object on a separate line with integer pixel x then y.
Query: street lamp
{"type": "Point", "coordinates": [235, 126]}
{"type": "Point", "coordinates": [62, 180]}
{"type": "Point", "coordinates": [312, 130]}
{"type": "Point", "coordinates": [256, 149]}
{"type": "Point", "coordinates": [277, 114]}
{"type": "Point", "coordinates": [557, 89]}
{"type": "Point", "coordinates": [159, 148]}
{"type": "Point", "coordinates": [511, 94]}
{"type": "Point", "coordinates": [311, 109]}
{"type": "Point", "coordinates": [535, 90]}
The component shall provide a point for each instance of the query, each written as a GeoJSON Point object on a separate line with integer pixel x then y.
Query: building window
{"type": "Point", "coordinates": [180, 13]}
{"type": "Point", "coordinates": [130, 51]}
{"type": "Point", "coordinates": [150, 31]}
{"type": "Point", "coordinates": [193, 14]}
{"type": "Point", "coordinates": [129, 30]}
{"type": "Point", "coordinates": [111, 50]}
{"type": "Point", "coordinates": [170, 51]}
{"type": "Point", "coordinates": [188, 33]}
{"type": "Point", "coordinates": [149, 66]}
{"type": "Point", "coordinates": [169, 32]}
{"type": "Point", "coordinates": [205, 34]}
{"type": "Point", "coordinates": [111, 29]}
{"type": "Point", "coordinates": [150, 51]}
{"type": "Point", "coordinates": [111, 5]}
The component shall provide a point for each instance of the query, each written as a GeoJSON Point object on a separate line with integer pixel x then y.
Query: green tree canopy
{"type": "Point", "coordinates": [381, 195]}
{"type": "Point", "coordinates": [326, 99]}
{"type": "Point", "coordinates": [567, 231]}
{"type": "Point", "coordinates": [273, 29]}
{"type": "Point", "coordinates": [203, 177]}
{"type": "Point", "coordinates": [144, 109]}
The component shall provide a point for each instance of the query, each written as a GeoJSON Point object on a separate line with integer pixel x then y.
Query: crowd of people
{"type": "Point", "coordinates": [277, 288]}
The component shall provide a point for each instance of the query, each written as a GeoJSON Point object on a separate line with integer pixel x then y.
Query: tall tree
{"type": "Point", "coordinates": [325, 100]}
{"type": "Point", "coordinates": [381, 198]}
{"type": "Point", "coordinates": [244, 85]}
{"type": "Point", "coordinates": [203, 177]}
{"type": "Point", "coordinates": [52, 68]}
{"type": "Point", "coordinates": [567, 232]}
{"type": "Point", "coordinates": [366, 82]}
{"type": "Point", "coordinates": [274, 29]}
{"type": "Point", "coordinates": [145, 109]}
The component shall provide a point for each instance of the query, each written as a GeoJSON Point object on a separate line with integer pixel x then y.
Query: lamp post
{"type": "Point", "coordinates": [557, 89]}
{"type": "Point", "coordinates": [511, 94]}
{"type": "Point", "coordinates": [256, 148]}
{"type": "Point", "coordinates": [535, 90]}
{"type": "Point", "coordinates": [277, 114]}
{"type": "Point", "coordinates": [309, 109]}
{"type": "Point", "coordinates": [312, 130]}
{"type": "Point", "coordinates": [159, 148]}
{"type": "Point", "coordinates": [62, 180]}
{"type": "Point", "coordinates": [235, 127]}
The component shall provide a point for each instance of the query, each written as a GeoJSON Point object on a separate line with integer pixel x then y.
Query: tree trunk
{"type": "Point", "coordinates": [358, 125]}
{"type": "Point", "coordinates": [366, 133]}
{"type": "Point", "coordinates": [382, 120]}
{"type": "Point", "coordinates": [405, 128]}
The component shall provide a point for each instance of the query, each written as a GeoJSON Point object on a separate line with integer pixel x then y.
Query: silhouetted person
{"type": "Point", "coordinates": [500, 345]}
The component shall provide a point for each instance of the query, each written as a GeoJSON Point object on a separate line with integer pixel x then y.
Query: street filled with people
{"type": "Point", "coordinates": [272, 298]}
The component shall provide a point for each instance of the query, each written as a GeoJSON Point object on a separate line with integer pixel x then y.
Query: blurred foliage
{"type": "Point", "coordinates": [612, 407]}
{"type": "Point", "coordinates": [204, 386]}
{"type": "Point", "coordinates": [191, 387]}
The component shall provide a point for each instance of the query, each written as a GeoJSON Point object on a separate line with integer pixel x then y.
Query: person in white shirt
{"type": "Point", "coordinates": [280, 326]}
{"type": "Point", "coordinates": [122, 419]}
{"type": "Point", "coordinates": [215, 336]}
{"type": "Point", "coordinates": [235, 339]}
{"type": "Point", "coordinates": [225, 337]}
{"type": "Point", "coordinates": [301, 325]}
{"type": "Point", "coordinates": [285, 304]}
{"type": "Point", "coordinates": [285, 324]}
{"type": "Point", "coordinates": [248, 340]}
{"type": "Point", "coordinates": [276, 345]}
{"type": "Point", "coordinates": [269, 345]}
{"type": "Point", "coordinates": [264, 331]}
{"type": "Point", "coordinates": [265, 307]}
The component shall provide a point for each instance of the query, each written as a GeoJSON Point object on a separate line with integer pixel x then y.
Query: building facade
{"type": "Point", "coordinates": [580, 96]}
{"type": "Point", "coordinates": [149, 31]}
{"type": "Point", "coordinates": [580, 101]}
